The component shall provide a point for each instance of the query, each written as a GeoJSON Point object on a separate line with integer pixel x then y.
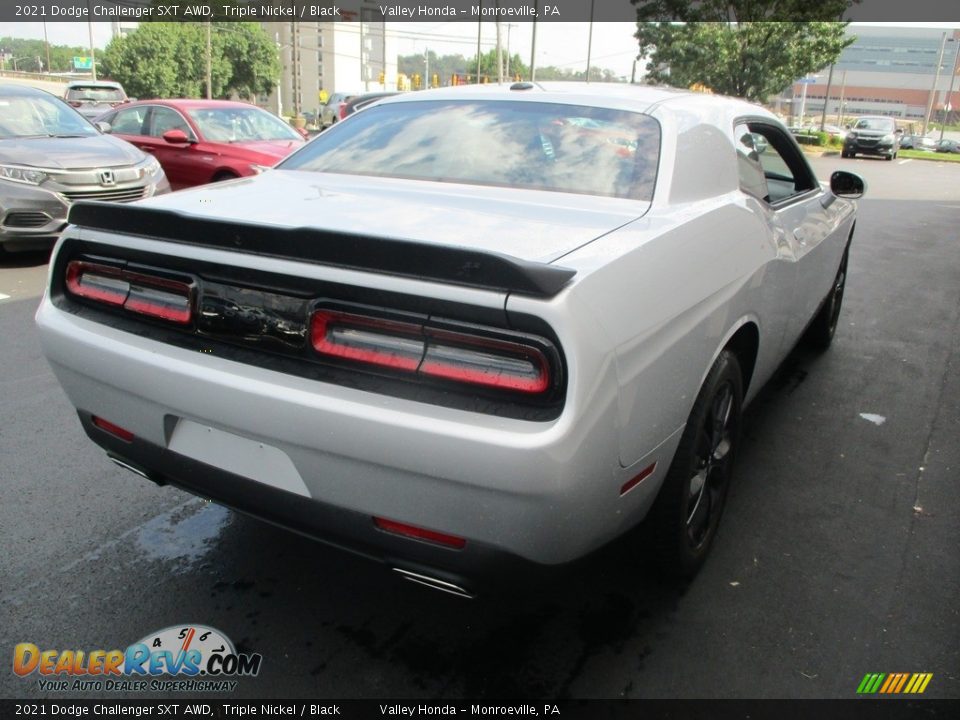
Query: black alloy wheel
{"type": "Point", "coordinates": [687, 512]}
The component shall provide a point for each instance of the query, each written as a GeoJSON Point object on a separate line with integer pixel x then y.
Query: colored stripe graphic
{"type": "Point", "coordinates": [894, 683]}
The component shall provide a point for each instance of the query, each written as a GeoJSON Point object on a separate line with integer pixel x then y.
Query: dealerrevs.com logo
{"type": "Point", "coordinates": [196, 657]}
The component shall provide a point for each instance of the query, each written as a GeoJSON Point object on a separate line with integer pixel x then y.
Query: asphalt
{"type": "Point", "coordinates": [837, 555]}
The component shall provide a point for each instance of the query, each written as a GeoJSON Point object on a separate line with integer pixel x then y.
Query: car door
{"type": "Point", "coordinates": [803, 218]}
{"type": "Point", "coordinates": [179, 160]}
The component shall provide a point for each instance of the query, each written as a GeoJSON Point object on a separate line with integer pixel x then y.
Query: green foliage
{"type": "Point", "coordinates": [35, 52]}
{"type": "Point", "coordinates": [447, 65]}
{"type": "Point", "coordinates": [169, 60]}
{"type": "Point", "coordinates": [739, 47]}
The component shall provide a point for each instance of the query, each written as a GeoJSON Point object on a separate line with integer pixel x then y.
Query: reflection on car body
{"type": "Point", "coordinates": [468, 330]}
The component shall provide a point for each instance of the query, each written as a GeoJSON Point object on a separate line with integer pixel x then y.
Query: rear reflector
{"type": "Point", "coordinates": [115, 430]}
{"type": "Point", "coordinates": [462, 357]}
{"type": "Point", "coordinates": [418, 533]}
{"type": "Point", "coordinates": [633, 482]}
{"type": "Point", "coordinates": [149, 295]}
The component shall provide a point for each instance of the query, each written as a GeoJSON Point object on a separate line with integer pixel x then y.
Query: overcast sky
{"type": "Point", "coordinates": [560, 44]}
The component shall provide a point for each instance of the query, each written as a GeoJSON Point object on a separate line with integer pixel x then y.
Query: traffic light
{"type": "Point", "coordinates": [436, 80]}
{"type": "Point", "coordinates": [383, 78]}
{"type": "Point", "coordinates": [416, 81]}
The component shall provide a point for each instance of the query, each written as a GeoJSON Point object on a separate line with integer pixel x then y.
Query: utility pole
{"type": "Point", "coordinates": [933, 90]}
{"type": "Point", "coordinates": [499, 52]}
{"type": "Point", "coordinates": [295, 65]}
{"type": "Point", "coordinates": [590, 41]}
{"type": "Point", "coordinates": [509, 28]}
{"type": "Point", "coordinates": [826, 99]}
{"type": "Point", "coordinates": [93, 57]}
{"type": "Point", "coordinates": [843, 87]}
{"type": "Point", "coordinates": [47, 45]}
{"type": "Point", "coordinates": [947, 107]}
{"type": "Point", "coordinates": [209, 61]}
{"type": "Point", "coordinates": [533, 45]}
{"type": "Point", "coordinates": [426, 66]}
{"type": "Point", "coordinates": [479, 28]}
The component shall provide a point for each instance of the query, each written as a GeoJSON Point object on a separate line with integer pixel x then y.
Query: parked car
{"type": "Point", "coordinates": [948, 146]}
{"type": "Point", "coordinates": [872, 136]}
{"type": "Point", "coordinates": [918, 142]}
{"type": "Point", "coordinates": [473, 328]}
{"type": "Point", "coordinates": [202, 141]}
{"type": "Point", "coordinates": [359, 102]}
{"type": "Point", "coordinates": [50, 156]}
{"type": "Point", "coordinates": [330, 112]}
{"type": "Point", "coordinates": [94, 97]}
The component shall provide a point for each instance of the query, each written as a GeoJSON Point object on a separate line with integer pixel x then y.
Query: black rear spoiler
{"type": "Point", "coordinates": [462, 266]}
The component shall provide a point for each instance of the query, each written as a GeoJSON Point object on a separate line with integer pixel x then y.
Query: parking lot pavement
{"type": "Point", "coordinates": [837, 555]}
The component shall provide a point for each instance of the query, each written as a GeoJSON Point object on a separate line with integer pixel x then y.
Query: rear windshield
{"type": "Point", "coordinates": [884, 124]}
{"type": "Point", "coordinates": [542, 146]}
{"type": "Point", "coordinates": [97, 94]}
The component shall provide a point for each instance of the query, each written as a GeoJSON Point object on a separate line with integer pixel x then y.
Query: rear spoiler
{"type": "Point", "coordinates": [461, 266]}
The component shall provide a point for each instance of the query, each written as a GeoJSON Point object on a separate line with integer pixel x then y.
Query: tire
{"type": "Point", "coordinates": [686, 513]}
{"type": "Point", "coordinates": [824, 326]}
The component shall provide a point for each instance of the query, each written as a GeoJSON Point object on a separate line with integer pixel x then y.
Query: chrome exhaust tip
{"type": "Point", "coordinates": [132, 468]}
{"type": "Point", "coordinates": [434, 583]}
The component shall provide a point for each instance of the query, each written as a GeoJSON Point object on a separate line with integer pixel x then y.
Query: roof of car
{"type": "Point", "coordinates": [188, 103]}
{"type": "Point", "coordinates": [94, 83]}
{"type": "Point", "coordinates": [16, 89]}
{"type": "Point", "coordinates": [613, 95]}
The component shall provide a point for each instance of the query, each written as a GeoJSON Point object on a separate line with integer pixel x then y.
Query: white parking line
{"type": "Point", "coordinates": [904, 162]}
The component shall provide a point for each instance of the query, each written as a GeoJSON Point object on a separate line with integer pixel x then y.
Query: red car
{"type": "Point", "coordinates": [202, 141]}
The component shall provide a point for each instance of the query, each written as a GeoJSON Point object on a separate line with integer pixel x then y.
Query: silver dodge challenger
{"type": "Point", "coordinates": [465, 330]}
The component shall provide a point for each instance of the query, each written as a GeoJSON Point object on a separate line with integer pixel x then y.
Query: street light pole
{"type": "Point", "coordinates": [933, 90]}
{"type": "Point", "coordinates": [947, 105]}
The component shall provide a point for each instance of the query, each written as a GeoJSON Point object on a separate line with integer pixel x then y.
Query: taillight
{"type": "Point", "coordinates": [419, 349]}
{"type": "Point", "coordinates": [75, 103]}
{"type": "Point", "coordinates": [342, 110]}
{"type": "Point", "coordinates": [137, 292]}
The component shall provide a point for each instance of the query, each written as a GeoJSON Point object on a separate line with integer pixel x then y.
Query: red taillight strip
{"type": "Point", "coordinates": [458, 356]}
{"type": "Point", "coordinates": [486, 361]}
{"type": "Point", "coordinates": [407, 350]}
{"type": "Point", "coordinates": [158, 297]}
{"type": "Point", "coordinates": [104, 283]}
{"type": "Point", "coordinates": [418, 533]}
{"type": "Point", "coordinates": [115, 430]}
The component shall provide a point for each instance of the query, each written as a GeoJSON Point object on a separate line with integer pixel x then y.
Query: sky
{"type": "Point", "coordinates": [560, 44]}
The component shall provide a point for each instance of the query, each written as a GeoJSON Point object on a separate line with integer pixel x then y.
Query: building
{"type": "Point", "coordinates": [321, 58]}
{"type": "Point", "coordinates": [888, 71]}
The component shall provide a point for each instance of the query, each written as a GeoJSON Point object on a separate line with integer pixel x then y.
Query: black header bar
{"type": "Point", "coordinates": [413, 10]}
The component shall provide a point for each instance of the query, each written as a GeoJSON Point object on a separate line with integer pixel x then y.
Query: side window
{"type": "Point", "coordinates": [165, 119]}
{"type": "Point", "coordinates": [753, 180]}
{"type": "Point", "coordinates": [129, 121]}
{"type": "Point", "coordinates": [785, 172]}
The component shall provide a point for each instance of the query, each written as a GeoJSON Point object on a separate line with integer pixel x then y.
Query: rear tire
{"type": "Point", "coordinates": [686, 513]}
{"type": "Point", "coordinates": [824, 326]}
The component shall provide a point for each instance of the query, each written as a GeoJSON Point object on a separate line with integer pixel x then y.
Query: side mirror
{"type": "Point", "coordinates": [103, 127]}
{"type": "Point", "coordinates": [847, 127]}
{"type": "Point", "coordinates": [898, 131]}
{"type": "Point", "coordinates": [847, 185]}
{"type": "Point", "coordinates": [176, 137]}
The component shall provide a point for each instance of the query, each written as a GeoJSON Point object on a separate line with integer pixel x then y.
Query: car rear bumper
{"type": "Point", "coordinates": [874, 148]}
{"type": "Point", "coordinates": [546, 492]}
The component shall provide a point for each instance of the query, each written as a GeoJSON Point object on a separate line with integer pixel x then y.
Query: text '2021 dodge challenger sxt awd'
{"type": "Point", "coordinates": [462, 330]}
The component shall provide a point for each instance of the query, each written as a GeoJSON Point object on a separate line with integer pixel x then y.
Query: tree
{"type": "Point", "coordinates": [169, 60]}
{"type": "Point", "coordinates": [743, 48]}
{"type": "Point", "coordinates": [488, 66]}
